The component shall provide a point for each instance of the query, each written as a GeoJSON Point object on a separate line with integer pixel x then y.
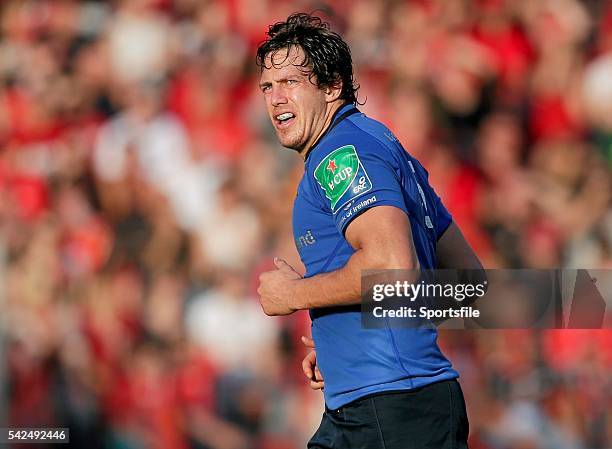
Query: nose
{"type": "Point", "coordinates": [278, 96]}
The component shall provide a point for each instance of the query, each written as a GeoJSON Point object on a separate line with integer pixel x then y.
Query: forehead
{"type": "Point", "coordinates": [284, 62]}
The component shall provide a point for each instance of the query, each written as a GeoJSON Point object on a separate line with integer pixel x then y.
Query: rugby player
{"type": "Point", "coordinates": [363, 203]}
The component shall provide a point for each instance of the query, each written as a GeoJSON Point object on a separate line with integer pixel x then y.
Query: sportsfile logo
{"type": "Point", "coordinates": [342, 176]}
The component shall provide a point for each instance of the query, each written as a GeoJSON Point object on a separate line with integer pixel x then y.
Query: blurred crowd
{"type": "Point", "coordinates": [142, 191]}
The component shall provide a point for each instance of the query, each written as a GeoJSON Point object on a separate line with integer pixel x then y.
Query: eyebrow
{"type": "Point", "coordinates": [283, 78]}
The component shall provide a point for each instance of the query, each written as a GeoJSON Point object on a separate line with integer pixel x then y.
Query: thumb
{"type": "Point", "coordinates": [281, 264]}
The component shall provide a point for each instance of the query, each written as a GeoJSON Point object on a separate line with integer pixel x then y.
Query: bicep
{"type": "Point", "coordinates": [383, 233]}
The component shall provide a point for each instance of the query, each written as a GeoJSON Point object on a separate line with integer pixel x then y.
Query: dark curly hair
{"type": "Point", "coordinates": [327, 56]}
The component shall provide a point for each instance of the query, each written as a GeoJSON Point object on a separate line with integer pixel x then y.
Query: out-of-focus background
{"type": "Point", "coordinates": [142, 191]}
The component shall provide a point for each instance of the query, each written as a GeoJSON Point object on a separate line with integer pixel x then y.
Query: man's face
{"type": "Point", "coordinates": [297, 107]}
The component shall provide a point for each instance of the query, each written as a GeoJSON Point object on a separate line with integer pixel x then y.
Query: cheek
{"type": "Point", "coordinates": [268, 103]}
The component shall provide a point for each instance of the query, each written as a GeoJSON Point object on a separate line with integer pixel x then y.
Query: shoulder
{"type": "Point", "coordinates": [373, 129]}
{"type": "Point", "coordinates": [352, 162]}
{"type": "Point", "coordinates": [356, 137]}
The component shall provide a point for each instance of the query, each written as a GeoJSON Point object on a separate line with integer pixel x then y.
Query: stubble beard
{"type": "Point", "coordinates": [288, 142]}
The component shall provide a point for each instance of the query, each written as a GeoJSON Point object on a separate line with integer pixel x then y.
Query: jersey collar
{"type": "Point", "coordinates": [342, 113]}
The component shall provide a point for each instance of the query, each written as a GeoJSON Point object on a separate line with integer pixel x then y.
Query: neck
{"type": "Point", "coordinates": [329, 115]}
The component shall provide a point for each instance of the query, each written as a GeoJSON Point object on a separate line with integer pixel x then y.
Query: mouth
{"type": "Point", "coordinates": [284, 120]}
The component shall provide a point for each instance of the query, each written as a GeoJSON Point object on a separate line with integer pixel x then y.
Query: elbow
{"type": "Point", "coordinates": [391, 260]}
{"type": "Point", "coordinates": [402, 263]}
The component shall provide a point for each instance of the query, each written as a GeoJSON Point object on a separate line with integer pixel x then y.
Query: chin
{"type": "Point", "coordinates": [292, 147]}
{"type": "Point", "coordinates": [287, 143]}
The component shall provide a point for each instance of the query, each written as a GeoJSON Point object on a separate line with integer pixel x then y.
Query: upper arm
{"type": "Point", "coordinates": [383, 233]}
{"type": "Point", "coordinates": [453, 251]}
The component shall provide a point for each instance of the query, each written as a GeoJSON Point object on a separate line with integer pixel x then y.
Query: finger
{"type": "Point", "coordinates": [317, 374]}
{"type": "Point", "coordinates": [316, 385]}
{"type": "Point", "coordinates": [281, 264]}
{"type": "Point", "coordinates": [307, 365]}
{"type": "Point", "coordinates": [308, 342]}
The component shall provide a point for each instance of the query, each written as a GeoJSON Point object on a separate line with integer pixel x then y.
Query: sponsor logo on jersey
{"type": "Point", "coordinates": [305, 240]}
{"type": "Point", "coordinates": [353, 209]}
{"type": "Point", "coordinates": [342, 176]}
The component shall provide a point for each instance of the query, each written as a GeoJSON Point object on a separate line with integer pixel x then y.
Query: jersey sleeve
{"type": "Point", "coordinates": [443, 216]}
{"type": "Point", "coordinates": [354, 178]}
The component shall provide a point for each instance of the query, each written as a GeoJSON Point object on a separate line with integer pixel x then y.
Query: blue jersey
{"type": "Point", "coordinates": [356, 165]}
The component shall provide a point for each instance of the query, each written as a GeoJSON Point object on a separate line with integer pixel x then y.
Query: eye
{"type": "Point", "coordinates": [265, 88]}
{"type": "Point", "coordinates": [292, 81]}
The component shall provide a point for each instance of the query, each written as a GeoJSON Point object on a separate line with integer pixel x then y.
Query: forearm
{"type": "Point", "coordinates": [454, 252]}
{"type": "Point", "coordinates": [382, 239]}
{"type": "Point", "coordinates": [341, 287]}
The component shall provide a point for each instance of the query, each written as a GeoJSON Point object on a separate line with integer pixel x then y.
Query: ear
{"type": "Point", "coordinates": [333, 91]}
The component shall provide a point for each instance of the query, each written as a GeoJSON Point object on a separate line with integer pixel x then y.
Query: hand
{"type": "Point", "coordinates": [309, 366]}
{"type": "Point", "coordinates": [275, 288]}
